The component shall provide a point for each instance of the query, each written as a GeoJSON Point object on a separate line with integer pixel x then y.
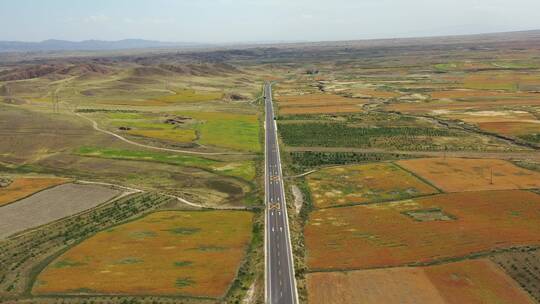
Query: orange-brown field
{"type": "Point", "coordinates": [318, 104]}
{"type": "Point", "coordinates": [421, 230]}
{"type": "Point", "coordinates": [24, 186]}
{"type": "Point", "coordinates": [364, 183]}
{"type": "Point", "coordinates": [466, 94]}
{"type": "Point", "coordinates": [448, 106]}
{"type": "Point", "coordinates": [511, 128]}
{"type": "Point", "coordinates": [511, 123]}
{"type": "Point", "coordinates": [461, 174]}
{"type": "Point", "coordinates": [472, 281]}
{"type": "Point", "coordinates": [494, 116]}
{"type": "Point", "coordinates": [194, 253]}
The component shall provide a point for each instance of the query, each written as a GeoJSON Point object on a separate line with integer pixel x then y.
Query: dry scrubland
{"type": "Point", "coordinates": [458, 175]}
{"type": "Point", "coordinates": [359, 184]}
{"type": "Point", "coordinates": [22, 187]}
{"type": "Point", "coordinates": [475, 281]}
{"type": "Point", "coordinates": [50, 205]}
{"type": "Point", "coordinates": [165, 253]}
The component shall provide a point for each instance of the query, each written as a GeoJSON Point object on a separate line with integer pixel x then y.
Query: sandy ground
{"type": "Point", "coordinates": [52, 204]}
{"type": "Point", "coordinates": [298, 198]}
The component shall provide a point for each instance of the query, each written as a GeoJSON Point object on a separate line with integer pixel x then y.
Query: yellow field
{"type": "Point", "coordinates": [461, 174]}
{"type": "Point", "coordinates": [364, 183]}
{"type": "Point", "coordinates": [193, 253]}
{"type": "Point", "coordinates": [23, 187]}
{"type": "Point", "coordinates": [473, 281]}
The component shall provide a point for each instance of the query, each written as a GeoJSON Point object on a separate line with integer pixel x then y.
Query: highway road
{"type": "Point", "coordinates": [279, 265]}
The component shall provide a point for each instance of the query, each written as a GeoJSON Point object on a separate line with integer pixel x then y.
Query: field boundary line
{"type": "Point", "coordinates": [303, 174]}
{"type": "Point", "coordinates": [381, 201]}
{"type": "Point", "coordinates": [419, 177]}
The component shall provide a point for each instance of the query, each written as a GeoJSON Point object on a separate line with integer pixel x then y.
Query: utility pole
{"type": "Point", "coordinates": [7, 91]}
{"type": "Point", "coordinates": [55, 102]}
{"type": "Point", "coordinates": [491, 176]}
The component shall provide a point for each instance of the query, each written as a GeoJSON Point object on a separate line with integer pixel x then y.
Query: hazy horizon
{"type": "Point", "coordinates": [243, 21]}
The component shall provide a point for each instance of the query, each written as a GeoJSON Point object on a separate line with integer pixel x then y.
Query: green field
{"type": "Point", "coordinates": [227, 130]}
{"type": "Point", "coordinates": [244, 169]}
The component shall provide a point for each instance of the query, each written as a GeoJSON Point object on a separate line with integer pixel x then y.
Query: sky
{"type": "Point", "coordinates": [233, 21]}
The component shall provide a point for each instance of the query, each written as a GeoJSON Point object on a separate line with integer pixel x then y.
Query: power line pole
{"type": "Point", "coordinates": [55, 102]}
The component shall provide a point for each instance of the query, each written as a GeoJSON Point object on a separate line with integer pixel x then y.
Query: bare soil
{"type": "Point", "coordinates": [51, 205]}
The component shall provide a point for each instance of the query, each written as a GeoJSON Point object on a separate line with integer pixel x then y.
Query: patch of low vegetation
{"type": "Point", "coordinates": [183, 230]}
{"type": "Point", "coordinates": [429, 215]}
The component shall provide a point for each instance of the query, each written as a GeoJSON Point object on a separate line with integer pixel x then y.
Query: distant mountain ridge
{"type": "Point", "coordinates": [88, 45]}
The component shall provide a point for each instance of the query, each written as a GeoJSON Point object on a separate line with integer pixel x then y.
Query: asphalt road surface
{"type": "Point", "coordinates": [279, 266]}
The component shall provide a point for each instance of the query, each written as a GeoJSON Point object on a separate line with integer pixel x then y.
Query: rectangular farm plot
{"type": "Point", "coordinates": [473, 281]}
{"type": "Point", "coordinates": [460, 174]}
{"type": "Point", "coordinates": [24, 186]}
{"type": "Point", "coordinates": [420, 230]}
{"type": "Point", "coordinates": [194, 253]}
{"type": "Point", "coordinates": [364, 184]}
{"type": "Point", "coordinates": [318, 104]}
{"type": "Point", "coordinates": [52, 204]}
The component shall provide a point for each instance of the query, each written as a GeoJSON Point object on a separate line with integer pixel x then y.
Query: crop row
{"type": "Point", "coordinates": [343, 135]}
{"type": "Point", "coordinates": [309, 159]}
